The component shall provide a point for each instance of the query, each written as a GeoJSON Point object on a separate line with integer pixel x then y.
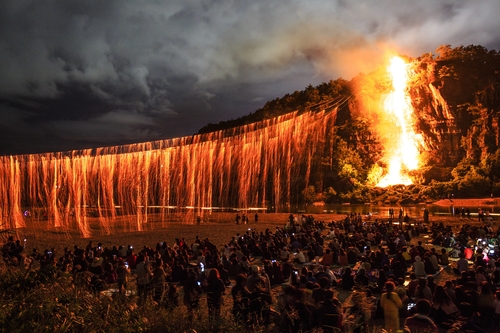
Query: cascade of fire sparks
{"type": "Point", "coordinates": [250, 167]}
{"type": "Point", "coordinates": [402, 150]}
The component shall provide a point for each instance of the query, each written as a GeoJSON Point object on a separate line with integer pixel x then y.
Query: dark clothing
{"type": "Point", "coordinates": [420, 323]}
{"type": "Point", "coordinates": [347, 281]}
{"type": "Point", "coordinates": [329, 316]}
{"type": "Point", "coordinates": [240, 296]}
{"type": "Point", "coordinates": [215, 289]}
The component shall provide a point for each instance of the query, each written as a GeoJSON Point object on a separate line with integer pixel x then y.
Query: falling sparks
{"type": "Point", "coordinates": [402, 149]}
{"type": "Point", "coordinates": [248, 167]}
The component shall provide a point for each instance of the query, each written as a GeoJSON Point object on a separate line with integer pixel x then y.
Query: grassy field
{"type": "Point", "coordinates": [218, 228]}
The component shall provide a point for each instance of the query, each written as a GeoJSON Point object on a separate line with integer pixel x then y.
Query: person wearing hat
{"type": "Point", "coordinates": [96, 266]}
{"type": "Point", "coordinates": [419, 267]}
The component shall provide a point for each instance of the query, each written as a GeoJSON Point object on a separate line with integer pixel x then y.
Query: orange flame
{"type": "Point", "coordinates": [402, 148]}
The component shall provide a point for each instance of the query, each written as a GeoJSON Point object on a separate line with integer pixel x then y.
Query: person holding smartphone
{"type": "Point", "coordinates": [421, 322]}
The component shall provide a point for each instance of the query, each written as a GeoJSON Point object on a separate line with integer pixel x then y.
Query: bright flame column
{"type": "Point", "coordinates": [402, 153]}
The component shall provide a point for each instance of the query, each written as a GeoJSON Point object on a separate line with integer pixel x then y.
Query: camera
{"type": "Point", "coordinates": [199, 283]}
{"type": "Point", "coordinates": [411, 305]}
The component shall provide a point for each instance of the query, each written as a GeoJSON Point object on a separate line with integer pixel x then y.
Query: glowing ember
{"type": "Point", "coordinates": [402, 153]}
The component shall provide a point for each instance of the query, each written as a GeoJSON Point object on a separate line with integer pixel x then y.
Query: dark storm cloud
{"type": "Point", "coordinates": [77, 74]}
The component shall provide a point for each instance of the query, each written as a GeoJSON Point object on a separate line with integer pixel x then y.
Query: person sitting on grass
{"type": "Point", "coordinates": [444, 307]}
{"type": "Point", "coordinates": [347, 279]}
{"type": "Point", "coordinates": [421, 322]}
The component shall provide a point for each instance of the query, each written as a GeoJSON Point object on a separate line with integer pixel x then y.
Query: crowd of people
{"type": "Point", "coordinates": [292, 276]}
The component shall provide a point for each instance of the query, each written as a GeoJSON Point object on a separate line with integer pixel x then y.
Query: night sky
{"type": "Point", "coordinates": [80, 74]}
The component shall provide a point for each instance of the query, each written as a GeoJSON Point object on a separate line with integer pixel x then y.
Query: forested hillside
{"type": "Point", "coordinates": [455, 93]}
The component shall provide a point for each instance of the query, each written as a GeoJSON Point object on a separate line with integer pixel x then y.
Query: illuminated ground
{"type": "Point", "coordinates": [219, 229]}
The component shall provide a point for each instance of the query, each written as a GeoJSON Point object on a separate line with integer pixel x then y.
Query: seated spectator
{"type": "Point", "coordinates": [327, 259]}
{"type": "Point", "coordinates": [412, 285]}
{"type": "Point", "coordinates": [300, 257]}
{"type": "Point", "coordinates": [462, 264]}
{"type": "Point", "coordinates": [342, 258]}
{"type": "Point", "coordinates": [480, 276]}
{"type": "Point", "coordinates": [419, 267]}
{"type": "Point", "coordinates": [486, 300]}
{"type": "Point", "coordinates": [421, 322]}
{"type": "Point", "coordinates": [431, 284]}
{"type": "Point", "coordinates": [352, 256]}
{"type": "Point", "coordinates": [330, 315]}
{"type": "Point", "coordinates": [444, 307]}
{"type": "Point", "coordinates": [319, 294]}
{"type": "Point", "coordinates": [496, 303]}
{"type": "Point", "coordinates": [428, 266]}
{"type": "Point", "coordinates": [422, 291]}
{"type": "Point", "coordinates": [443, 258]}
{"type": "Point", "coordinates": [362, 277]}
{"type": "Point", "coordinates": [347, 279]}
{"type": "Point", "coordinates": [380, 283]}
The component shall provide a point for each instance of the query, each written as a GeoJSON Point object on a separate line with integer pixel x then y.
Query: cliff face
{"type": "Point", "coordinates": [435, 118]}
{"type": "Point", "coordinates": [457, 101]}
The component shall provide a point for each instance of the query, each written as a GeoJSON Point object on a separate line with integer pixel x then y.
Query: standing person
{"type": "Point", "coordinates": [192, 292]}
{"type": "Point", "coordinates": [143, 277]}
{"type": "Point", "coordinates": [158, 282]}
{"type": "Point", "coordinates": [256, 217]}
{"type": "Point", "coordinates": [215, 288]}
{"type": "Point", "coordinates": [240, 296]}
{"type": "Point", "coordinates": [391, 303]}
{"type": "Point", "coordinates": [122, 272]}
